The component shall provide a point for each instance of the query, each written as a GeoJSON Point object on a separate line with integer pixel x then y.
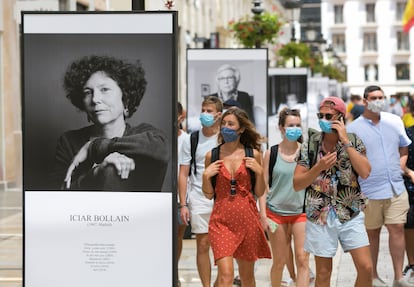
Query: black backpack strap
{"type": "Point", "coordinates": [313, 149]}
{"type": "Point", "coordinates": [249, 152]}
{"type": "Point", "coordinates": [193, 144]}
{"type": "Point", "coordinates": [215, 155]}
{"type": "Point", "coordinates": [273, 156]}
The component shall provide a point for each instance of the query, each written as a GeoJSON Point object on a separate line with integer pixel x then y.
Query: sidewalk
{"type": "Point", "coordinates": [343, 273]}
{"type": "Point", "coordinates": [11, 238]}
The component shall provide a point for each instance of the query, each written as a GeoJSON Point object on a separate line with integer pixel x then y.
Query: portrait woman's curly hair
{"type": "Point", "coordinates": [130, 77]}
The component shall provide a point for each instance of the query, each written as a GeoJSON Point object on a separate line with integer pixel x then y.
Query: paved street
{"type": "Point", "coordinates": [11, 238]}
{"type": "Point", "coordinates": [343, 274]}
{"type": "Point", "coordinates": [11, 253]}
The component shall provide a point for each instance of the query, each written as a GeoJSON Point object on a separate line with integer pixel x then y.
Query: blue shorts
{"type": "Point", "coordinates": [322, 240]}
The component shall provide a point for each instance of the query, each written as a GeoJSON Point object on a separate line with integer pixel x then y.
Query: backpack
{"type": "Point", "coordinates": [194, 136]}
{"type": "Point", "coordinates": [215, 155]}
{"type": "Point", "coordinates": [273, 156]}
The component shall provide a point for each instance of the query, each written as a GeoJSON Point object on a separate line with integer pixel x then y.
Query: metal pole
{"type": "Point", "coordinates": [293, 40]}
{"type": "Point", "coordinates": [138, 5]}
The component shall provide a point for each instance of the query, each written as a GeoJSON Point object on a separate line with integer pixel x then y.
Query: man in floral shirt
{"type": "Point", "coordinates": [328, 167]}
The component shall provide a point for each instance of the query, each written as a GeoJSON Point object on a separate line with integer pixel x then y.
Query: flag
{"type": "Point", "coordinates": [408, 17]}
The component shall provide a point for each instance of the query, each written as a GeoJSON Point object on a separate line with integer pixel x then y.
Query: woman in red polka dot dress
{"type": "Point", "coordinates": [235, 230]}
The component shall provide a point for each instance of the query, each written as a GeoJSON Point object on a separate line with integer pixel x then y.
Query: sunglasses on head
{"type": "Point", "coordinates": [293, 112]}
{"type": "Point", "coordinates": [326, 116]}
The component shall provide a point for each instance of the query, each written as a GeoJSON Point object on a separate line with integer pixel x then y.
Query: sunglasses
{"type": "Point", "coordinates": [326, 116]}
{"type": "Point", "coordinates": [375, 98]}
{"type": "Point", "coordinates": [233, 186]}
{"type": "Point", "coordinates": [293, 112]}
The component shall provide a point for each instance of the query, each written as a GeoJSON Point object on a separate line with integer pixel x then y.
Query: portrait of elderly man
{"type": "Point", "coordinates": [227, 81]}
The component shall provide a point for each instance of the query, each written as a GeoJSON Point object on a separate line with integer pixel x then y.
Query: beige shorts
{"type": "Point", "coordinates": [386, 211]}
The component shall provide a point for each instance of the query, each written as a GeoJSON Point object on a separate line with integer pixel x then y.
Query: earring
{"type": "Point", "coordinates": [126, 112]}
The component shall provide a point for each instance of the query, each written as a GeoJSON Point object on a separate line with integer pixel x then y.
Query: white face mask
{"type": "Point", "coordinates": [376, 106]}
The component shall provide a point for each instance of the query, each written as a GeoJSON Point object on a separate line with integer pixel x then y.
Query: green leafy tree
{"type": "Point", "coordinates": [309, 59]}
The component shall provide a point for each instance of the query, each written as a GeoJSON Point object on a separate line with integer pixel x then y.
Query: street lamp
{"type": "Point", "coordinates": [257, 7]}
{"type": "Point", "coordinates": [294, 7]}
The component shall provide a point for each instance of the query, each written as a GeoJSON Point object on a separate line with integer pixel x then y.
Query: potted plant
{"type": "Point", "coordinates": [256, 30]}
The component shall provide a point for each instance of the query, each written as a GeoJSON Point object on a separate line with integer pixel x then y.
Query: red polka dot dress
{"type": "Point", "coordinates": [234, 227]}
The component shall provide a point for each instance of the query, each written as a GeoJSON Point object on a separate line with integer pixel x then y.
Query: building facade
{"type": "Point", "coordinates": [368, 37]}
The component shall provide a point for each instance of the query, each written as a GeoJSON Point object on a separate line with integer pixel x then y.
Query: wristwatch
{"type": "Point", "coordinates": [347, 145]}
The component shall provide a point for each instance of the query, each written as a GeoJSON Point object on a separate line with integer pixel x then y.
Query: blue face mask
{"type": "Point", "coordinates": [229, 135]}
{"type": "Point", "coordinates": [293, 133]}
{"type": "Point", "coordinates": [326, 126]}
{"type": "Point", "coordinates": [207, 120]}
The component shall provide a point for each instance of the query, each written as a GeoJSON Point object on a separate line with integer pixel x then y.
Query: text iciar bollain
{"type": "Point", "coordinates": [99, 218]}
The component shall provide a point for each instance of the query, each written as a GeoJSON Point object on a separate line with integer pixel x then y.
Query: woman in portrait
{"type": "Point", "coordinates": [109, 154]}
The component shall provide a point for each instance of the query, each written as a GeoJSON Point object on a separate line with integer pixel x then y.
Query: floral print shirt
{"type": "Point", "coordinates": [336, 189]}
{"type": "Point", "coordinates": [410, 164]}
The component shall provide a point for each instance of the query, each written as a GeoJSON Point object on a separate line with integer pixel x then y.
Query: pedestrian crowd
{"type": "Point", "coordinates": [303, 196]}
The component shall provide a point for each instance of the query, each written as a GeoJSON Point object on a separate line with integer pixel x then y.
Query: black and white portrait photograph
{"type": "Point", "coordinates": [288, 89]}
{"type": "Point", "coordinates": [98, 112]}
{"type": "Point", "coordinates": [237, 76]}
{"type": "Point", "coordinates": [99, 143]}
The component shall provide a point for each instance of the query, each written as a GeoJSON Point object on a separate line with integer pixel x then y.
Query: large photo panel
{"type": "Point", "coordinates": [99, 143]}
{"type": "Point", "coordinates": [58, 122]}
{"type": "Point", "coordinates": [213, 72]}
{"type": "Point", "coordinates": [287, 89]}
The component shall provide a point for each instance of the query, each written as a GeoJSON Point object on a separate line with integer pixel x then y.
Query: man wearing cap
{"type": "Point", "coordinates": [387, 149]}
{"type": "Point", "coordinates": [328, 167]}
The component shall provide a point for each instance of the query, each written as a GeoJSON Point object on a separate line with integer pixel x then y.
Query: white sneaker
{"type": "Point", "coordinates": [378, 282]}
{"type": "Point", "coordinates": [409, 273]}
{"type": "Point", "coordinates": [403, 282]}
{"type": "Point", "coordinates": [287, 282]}
{"type": "Point", "coordinates": [311, 275]}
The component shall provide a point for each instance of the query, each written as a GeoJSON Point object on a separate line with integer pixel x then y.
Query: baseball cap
{"type": "Point", "coordinates": [335, 103]}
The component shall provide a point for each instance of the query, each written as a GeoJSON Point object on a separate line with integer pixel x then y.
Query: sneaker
{"type": "Point", "coordinates": [237, 281]}
{"type": "Point", "coordinates": [311, 275]}
{"type": "Point", "coordinates": [287, 282]}
{"type": "Point", "coordinates": [403, 282]}
{"type": "Point", "coordinates": [408, 272]}
{"type": "Point", "coordinates": [378, 282]}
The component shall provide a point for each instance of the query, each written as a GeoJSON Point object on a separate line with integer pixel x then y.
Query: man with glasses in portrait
{"type": "Point", "coordinates": [227, 80]}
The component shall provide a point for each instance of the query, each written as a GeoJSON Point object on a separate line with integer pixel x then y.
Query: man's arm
{"type": "Point", "coordinates": [303, 177]}
{"type": "Point", "coordinates": [403, 157]}
{"type": "Point", "coordinates": [182, 192]}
